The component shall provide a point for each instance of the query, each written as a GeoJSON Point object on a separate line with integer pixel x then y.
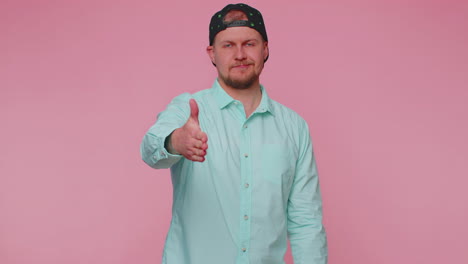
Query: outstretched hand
{"type": "Point", "coordinates": [190, 141]}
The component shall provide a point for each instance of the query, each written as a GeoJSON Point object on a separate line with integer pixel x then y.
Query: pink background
{"type": "Point", "coordinates": [382, 84]}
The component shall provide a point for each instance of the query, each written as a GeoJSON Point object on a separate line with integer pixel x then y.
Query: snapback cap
{"type": "Point", "coordinates": [255, 20]}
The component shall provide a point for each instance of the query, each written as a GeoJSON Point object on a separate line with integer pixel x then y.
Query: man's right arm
{"type": "Point", "coordinates": [176, 134]}
{"type": "Point", "coordinates": [152, 148]}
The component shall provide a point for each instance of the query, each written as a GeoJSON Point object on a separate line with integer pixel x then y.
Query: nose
{"type": "Point", "coordinates": [240, 53]}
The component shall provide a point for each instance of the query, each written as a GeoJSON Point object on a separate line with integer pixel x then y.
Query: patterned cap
{"type": "Point", "coordinates": [255, 20]}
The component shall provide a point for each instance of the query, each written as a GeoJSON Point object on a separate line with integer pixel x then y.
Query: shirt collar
{"type": "Point", "coordinates": [223, 99]}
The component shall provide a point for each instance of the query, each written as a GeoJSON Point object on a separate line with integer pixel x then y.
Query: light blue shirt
{"type": "Point", "coordinates": [257, 187]}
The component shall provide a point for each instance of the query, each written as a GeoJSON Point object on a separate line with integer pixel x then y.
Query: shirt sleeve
{"type": "Point", "coordinates": [305, 229]}
{"type": "Point", "coordinates": [152, 147]}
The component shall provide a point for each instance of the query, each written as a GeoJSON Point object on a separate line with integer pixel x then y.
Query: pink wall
{"type": "Point", "coordinates": [382, 85]}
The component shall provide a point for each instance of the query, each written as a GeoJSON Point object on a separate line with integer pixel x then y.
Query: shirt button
{"type": "Point", "coordinates": [236, 103]}
{"type": "Point", "coordinates": [155, 157]}
{"type": "Point", "coordinates": [246, 217]}
{"type": "Point", "coordinates": [244, 249]}
{"type": "Point", "coordinates": [246, 155]}
{"type": "Point", "coordinates": [245, 126]}
{"type": "Point", "coordinates": [246, 185]}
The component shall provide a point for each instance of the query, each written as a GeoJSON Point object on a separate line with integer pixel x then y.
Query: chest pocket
{"type": "Point", "coordinates": [277, 164]}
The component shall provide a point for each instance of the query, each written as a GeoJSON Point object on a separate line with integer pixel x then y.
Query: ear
{"type": "Point", "coordinates": [210, 52]}
{"type": "Point", "coordinates": [266, 51]}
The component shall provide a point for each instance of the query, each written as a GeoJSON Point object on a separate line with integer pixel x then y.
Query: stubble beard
{"type": "Point", "coordinates": [240, 83]}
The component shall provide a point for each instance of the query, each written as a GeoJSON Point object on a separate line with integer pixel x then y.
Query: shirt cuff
{"type": "Point", "coordinates": [155, 154]}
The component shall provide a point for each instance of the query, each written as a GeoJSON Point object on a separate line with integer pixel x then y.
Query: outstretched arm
{"type": "Point", "coordinates": [175, 134]}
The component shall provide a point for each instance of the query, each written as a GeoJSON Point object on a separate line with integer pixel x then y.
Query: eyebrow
{"type": "Point", "coordinates": [230, 41]}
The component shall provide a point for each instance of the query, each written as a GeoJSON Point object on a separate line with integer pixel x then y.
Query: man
{"type": "Point", "coordinates": [256, 185]}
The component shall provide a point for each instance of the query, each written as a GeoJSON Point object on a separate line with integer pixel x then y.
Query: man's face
{"type": "Point", "coordinates": [238, 53]}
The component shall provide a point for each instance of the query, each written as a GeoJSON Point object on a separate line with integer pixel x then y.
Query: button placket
{"type": "Point", "coordinates": [245, 190]}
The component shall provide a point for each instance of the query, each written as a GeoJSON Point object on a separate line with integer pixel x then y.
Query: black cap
{"type": "Point", "coordinates": [255, 20]}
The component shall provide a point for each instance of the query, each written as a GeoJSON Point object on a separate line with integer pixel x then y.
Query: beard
{"type": "Point", "coordinates": [240, 84]}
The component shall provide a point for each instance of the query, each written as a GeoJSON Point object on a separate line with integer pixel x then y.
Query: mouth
{"type": "Point", "coordinates": [241, 66]}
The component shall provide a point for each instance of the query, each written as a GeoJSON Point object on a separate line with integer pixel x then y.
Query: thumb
{"type": "Point", "coordinates": [194, 110]}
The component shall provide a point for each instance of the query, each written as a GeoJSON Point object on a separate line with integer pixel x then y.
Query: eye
{"type": "Point", "coordinates": [227, 45]}
{"type": "Point", "coordinates": [250, 44]}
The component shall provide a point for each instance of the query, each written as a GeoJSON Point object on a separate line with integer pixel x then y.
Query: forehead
{"type": "Point", "coordinates": [238, 34]}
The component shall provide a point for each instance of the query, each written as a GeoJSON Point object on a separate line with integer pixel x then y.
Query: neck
{"type": "Point", "coordinates": [250, 97]}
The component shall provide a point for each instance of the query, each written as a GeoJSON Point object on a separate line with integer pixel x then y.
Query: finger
{"type": "Point", "coordinates": [194, 110]}
{"type": "Point", "coordinates": [197, 144]}
{"type": "Point", "coordinates": [190, 155]}
{"type": "Point", "coordinates": [196, 151]}
{"type": "Point", "coordinates": [200, 153]}
{"type": "Point", "coordinates": [204, 137]}
{"type": "Point", "coordinates": [204, 146]}
{"type": "Point", "coordinates": [197, 158]}
{"type": "Point", "coordinates": [201, 136]}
